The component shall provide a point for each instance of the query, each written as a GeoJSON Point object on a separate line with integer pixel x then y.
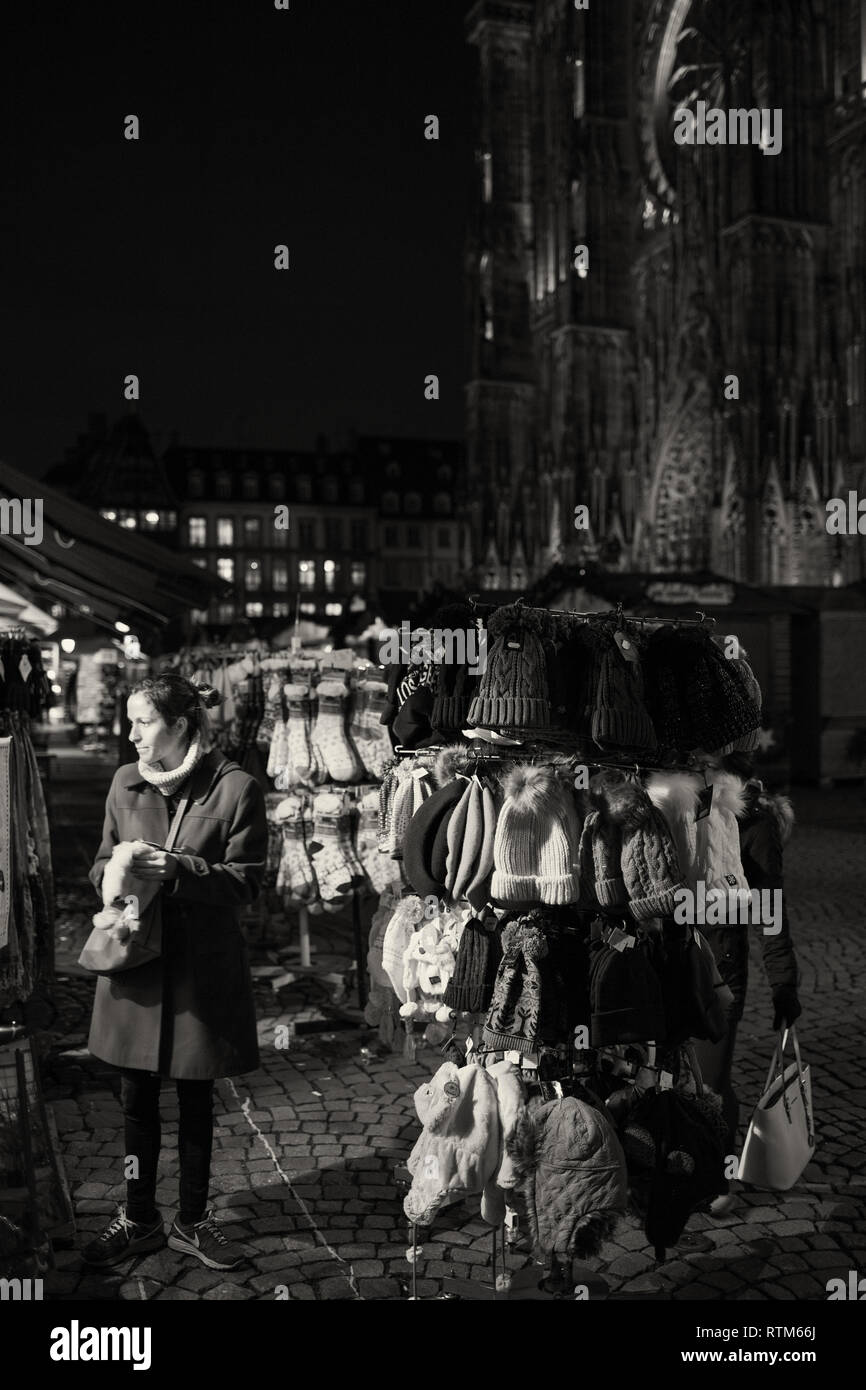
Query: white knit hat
{"type": "Point", "coordinates": [536, 841]}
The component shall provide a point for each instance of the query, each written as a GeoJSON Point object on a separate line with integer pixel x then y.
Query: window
{"type": "Point", "coordinates": [225, 612]}
{"type": "Point", "coordinates": [304, 485]}
{"type": "Point", "coordinates": [276, 487]}
{"type": "Point", "coordinates": [195, 486]}
{"type": "Point", "coordinates": [196, 530]}
{"type": "Point", "coordinates": [255, 610]}
{"type": "Point", "coordinates": [333, 533]}
{"type": "Point", "coordinates": [150, 521]}
{"type": "Point", "coordinates": [169, 521]}
{"type": "Point", "coordinates": [443, 538]}
{"type": "Point", "coordinates": [200, 561]}
{"type": "Point", "coordinates": [308, 608]}
{"type": "Point", "coordinates": [252, 530]}
{"type": "Point", "coordinates": [390, 503]}
{"type": "Point", "coordinates": [128, 520]}
{"type": "Point", "coordinates": [307, 534]}
{"type": "Point", "coordinates": [223, 483]}
{"type": "Point", "coordinates": [487, 175]}
{"type": "Point", "coordinates": [280, 576]}
{"type": "Point", "coordinates": [331, 569]}
{"type": "Point", "coordinates": [253, 575]}
{"type": "Point", "coordinates": [199, 616]}
{"type": "Point", "coordinates": [392, 470]}
{"type": "Point", "coordinates": [281, 610]}
{"type": "Point", "coordinates": [226, 569]}
{"type": "Point", "coordinates": [359, 535]}
{"type": "Point", "coordinates": [250, 485]}
{"type": "Point", "coordinates": [412, 503]}
{"type": "Point", "coordinates": [392, 537]}
{"type": "Point", "coordinates": [358, 574]}
{"type": "Point", "coordinates": [579, 89]}
{"type": "Point", "coordinates": [280, 537]}
{"type": "Point", "coordinates": [413, 537]}
{"type": "Point", "coordinates": [333, 610]}
{"type": "Point", "coordinates": [107, 514]}
{"type": "Point", "coordinates": [225, 531]}
{"type": "Point", "coordinates": [356, 491]}
{"type": "Point", "coordinates": [306, 574]}
{"type": "Point", "coordinates": [442, 504]}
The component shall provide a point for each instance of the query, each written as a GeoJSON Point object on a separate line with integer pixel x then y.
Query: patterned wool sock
{"type": "Point", "coordinates": [273, 710]}
{"type": "Point", "coordinates": [374, 741]}
{"type": "Point", "coordinates": [333, 859]}
{"type": "Point", "coordinates": [299, 761]}
{"type": "Point", "coordinates": [379, 868]}
{"type": "Point", "coordinates": [296, 878]}
{"type": "Point", "coordinates": [329, 733]}
{"type": "Point", "coordinates": [278, 754]}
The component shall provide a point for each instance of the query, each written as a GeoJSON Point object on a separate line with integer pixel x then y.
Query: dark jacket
{"type": "Point", "coordinates": [190, 1013]}
{"type": "Point", "coordinates": [764, 832]}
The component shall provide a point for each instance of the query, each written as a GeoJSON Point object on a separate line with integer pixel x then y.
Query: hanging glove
{"type": "Point", "coordinates": [787, 1007]}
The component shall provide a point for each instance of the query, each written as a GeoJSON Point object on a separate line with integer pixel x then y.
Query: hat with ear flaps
{"type": "Point", "coordinates": [513, 691]}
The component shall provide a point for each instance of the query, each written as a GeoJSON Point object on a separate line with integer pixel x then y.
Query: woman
{"type": "Point", "coordinates": [189, 1015]}
{"type": "Point", "coordinates": [764, 831]}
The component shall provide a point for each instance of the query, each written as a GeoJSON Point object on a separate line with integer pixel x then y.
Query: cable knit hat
{"type": "Point", "coordinates": [675, 794]}
{"type": "Point", "coordinates": [536, 841]}
{"type": "Point", "coordinates": [479, 953]}
{"type": "Point", "coordinates": [513, 691]}
{"type": "Point", "coordinates": [512, 1022]}
{"type": "Point", "coordinates": [620, 720]}
{"type": "Point", "coordinates": [650, 866]}
{"type": "Point", "coordinates": [743, 673]}
{"type": "Point", "coordinates": [693, 698]}
{"type": "Point", "coordinates": [599, 859]}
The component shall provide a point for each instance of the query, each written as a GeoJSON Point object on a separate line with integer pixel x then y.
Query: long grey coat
{"type": "Point", "coordinates": [190, 1013]}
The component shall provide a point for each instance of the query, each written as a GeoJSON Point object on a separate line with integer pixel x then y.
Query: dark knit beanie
{"type": "Point", "coordinates": [470, 988]}
{"type": "Point", "coordinates": [692, 696]}
{"type": "Point", "coordinates": [513, 689]}
{"type": "Point", "coordinates": [418, 844]}
{"type": "Point", "coordinates": [620, 721]}
{"type": "Point", "coordinates": [411, 727]}
{"type": "Point", "coordinates": [456, 685]}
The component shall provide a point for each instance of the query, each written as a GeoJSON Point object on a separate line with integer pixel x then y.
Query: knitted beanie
{"type": "Point", "coordinates": [472, 840]}
{"type": "Point", "coordinates": [414, 785]}
{"type": "Point", "coordinates": [649, 861]}
{"type": "Point", "coordinates": [456, 686]}
{"type": "Point", "coordinates": [620, 719]}
{"type": "Point", "coordinates": [411, 727]}
{"type": "Point", "coordinates": [456, 830]}
{"type": "Point", "coordinates": [513, 689]}
{"type": "Point", "coordinates": [625, 997]}
{"type": "Point", "coordinates": [693, 698]}
{"type": "Point", "coordinates": [470, 989]}
{"type": "Point", "coordinates": [420, 837]}
{"type": "Point", "coordinates": [512, 1021]}
{"type": "Point", "coordinates": [743, 673]}
{"type": "Point", "coordinates": [718, 837]}
{"type": "Point", "coordinates": [478, 888]}
{"type": "Point", "coordinates": [675, 794]}
{"type": "Point", "coordinates": [536, 841]}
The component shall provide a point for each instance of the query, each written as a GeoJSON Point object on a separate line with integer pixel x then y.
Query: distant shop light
{"type": "Point", "coordinates": [57, 689]}
{"type": "Point", "coordinates": [68, 645]}
{"type": "Point", "coordinates": [121, 627]}
{"type": "Point", "coordinates": [152, 518]}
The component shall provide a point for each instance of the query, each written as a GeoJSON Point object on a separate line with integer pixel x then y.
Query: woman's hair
{"type": "Point", "coordinates": [174, 696]}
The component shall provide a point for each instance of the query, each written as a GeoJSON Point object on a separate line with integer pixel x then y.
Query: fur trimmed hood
{"type": "Point", "coordinates": [729, 793]}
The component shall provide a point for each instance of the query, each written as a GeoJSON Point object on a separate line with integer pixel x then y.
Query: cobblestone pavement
{"type": "Point", "coordinates": [306, 1147]}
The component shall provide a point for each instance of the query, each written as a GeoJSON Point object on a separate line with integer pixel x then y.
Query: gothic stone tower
{"type": "Point", "coordinates": [695, 373]}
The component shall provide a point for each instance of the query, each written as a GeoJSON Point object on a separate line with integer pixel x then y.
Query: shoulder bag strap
{"type": "Point", "coordinates": [175, 823]}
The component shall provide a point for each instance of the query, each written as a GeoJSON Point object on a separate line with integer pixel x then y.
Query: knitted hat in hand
{"type": "Point", "coordinates": [513, 1017]}
{"type": "Point", "coordinates": [420, 838]}
{"type": "Point", "coordinates": [513, 689]}
{"type": "Point", "coordinates": [478, 955]}
{"type": "Point", "coordinates": [649, 860]}
{"type": "Point", "coordinates": [620, 719]}
{"type": "Point", "coordinates": [537, 835]}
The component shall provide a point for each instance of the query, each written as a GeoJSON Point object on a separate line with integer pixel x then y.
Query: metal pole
{"type": "Point", "coordinates": [360, 957]}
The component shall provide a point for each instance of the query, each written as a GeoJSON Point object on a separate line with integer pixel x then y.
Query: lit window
{"type": "Point", "coordinates": [225, 612]}
{"type": "Point", "coordinates": [253, 575]}
{"type": "Point", "coordinates": [226, 569]}
{"type": "Point", "coordinates": [333, 610]}
{"type": "Point", "coordinates": [200, 561]}
{"type": "Point", "coordinates": [331, 569]}
{"type": "Point", "coordinates": [199, 616]}
{"type": "Point", "coordinates": [225, 531]}
{"type": "Point", "coordinates": [255, 610]}
{"type": "Point", "coordinates": [223, 483]}
{"type": "Point", "coordinates": [150, 520]}
{"type": "Point", "coordinates": [487, 165]}
{"type": "Point", "coordinates": [358, 574]}
{"type": "Point", "coordinates": [252, 530]}
{"type": "Point", "coordinates": [308, 608]}
{"type": "Point", "coordinates": [579, 88]}
{"type": "Point", "coordinates": [390, 502]}
{"type": "Point", "coordinates": [250, 486]}
{"type": "Point", "coordinates": [196, 530]}
{"type": "Point", "coordinates": [281, 610]}
{"type": "Point", "coordinates": [280, 576]}
{"type": "Point", "coordinates": [128, 520]}
{"type": "Point", "coordinates": [307, 574]}
{"type": "Point", "coordinates": [108, 515]}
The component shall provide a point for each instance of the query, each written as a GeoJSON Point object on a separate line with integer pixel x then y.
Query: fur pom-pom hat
{"type": "Point", "coordinates": [650, 865]}
{"type": "Point", "coordinates": [536, 841]}
{"type": "Point", "coordinates": [675, 795]}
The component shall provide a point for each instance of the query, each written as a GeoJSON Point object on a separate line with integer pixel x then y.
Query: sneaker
{"type": "Point", "coordinates": [121, 1239]}
{"type": "Point", "coordinates": [207, 1243]}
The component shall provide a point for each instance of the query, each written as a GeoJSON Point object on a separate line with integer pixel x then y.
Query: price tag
{"type": "Point", "coordinates": [666, 1080]}
{"type": "Point", "coordinates": [25, 667]}
{"type": "Point", "coordinates": [514, 1057]}
{"type": "Point", "coordinates": [620, 940]}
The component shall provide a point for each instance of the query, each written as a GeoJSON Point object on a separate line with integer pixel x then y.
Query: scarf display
{"type": "Point", "coordinates": [168, 782]}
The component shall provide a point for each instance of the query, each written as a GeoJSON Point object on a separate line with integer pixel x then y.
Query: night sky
{"type": "Point", "coordinates": [258, 126]}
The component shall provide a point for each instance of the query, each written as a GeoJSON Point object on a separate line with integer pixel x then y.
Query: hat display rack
{"type": "Point", "coordinates": [539, 827]}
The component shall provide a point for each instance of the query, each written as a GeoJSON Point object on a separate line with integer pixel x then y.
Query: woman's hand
{"type": "Point", "coordinates": [154, 863]}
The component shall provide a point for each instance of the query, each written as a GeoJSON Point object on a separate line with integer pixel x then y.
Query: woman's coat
{"type": "Point", "coordinates": [190, 1013]}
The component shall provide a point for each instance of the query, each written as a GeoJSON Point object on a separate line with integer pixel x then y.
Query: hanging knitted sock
{"type": "Point", "coordinates": [375, 742]}
{"type": "Point", "coordinates": [273, 710]}
{"type": "Point", "coordinates": [329, 732]}
{"type": "Point", "coordinates": [278, 755]}
{"type": "Point", "coordinates": [275, 838]}
{"type": "Point", "coordinates": [296, 878]}
{"type": "Point", "coordinates": [332, 861]}
{"type": "Point", "coordinates": [299, 762]}
{"type": "Point", "coordinates": [379, 868]}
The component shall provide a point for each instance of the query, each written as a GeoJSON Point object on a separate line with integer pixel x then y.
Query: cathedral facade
{"type": "Point", "coordinates": [667, 337]}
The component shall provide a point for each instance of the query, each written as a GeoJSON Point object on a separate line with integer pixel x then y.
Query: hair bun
{"type": "Point", "coordinates": [208, 696]}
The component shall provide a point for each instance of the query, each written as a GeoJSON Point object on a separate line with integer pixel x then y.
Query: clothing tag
{"type": "Point", "coordinates": [666, 1080]}
{"type": "Point", "coordinates": [513, 1057]}
{"type": "Point", "coordinates": [620, 940]}
{"type": "Point", "coordinates": [627, 648]}
{"type": "Point", "coordinates": [25, 667]}
{"type": "Point", "coordinates": [705, 801]}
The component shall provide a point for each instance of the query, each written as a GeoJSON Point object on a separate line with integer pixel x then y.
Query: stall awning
{"type": "Point", "coordinates": [92, 565]}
